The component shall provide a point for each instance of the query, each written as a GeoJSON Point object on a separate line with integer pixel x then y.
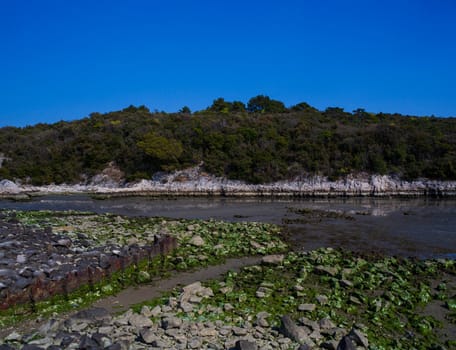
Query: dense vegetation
{"type": "Point", "coordinates": [259, 142]}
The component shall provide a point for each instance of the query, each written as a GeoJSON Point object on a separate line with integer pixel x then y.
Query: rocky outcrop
{"type": "Point", "coordinates": [195, 182]}
{"type": "Point", "coordinates": [9, 187]}
{"type": "Point", "coordinates": [36, 264]}
{"type": "Point", "coordinates": [168, 326]}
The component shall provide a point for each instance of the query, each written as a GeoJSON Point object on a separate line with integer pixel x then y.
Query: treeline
{"type": "Point", "coordinates": [258, 142]}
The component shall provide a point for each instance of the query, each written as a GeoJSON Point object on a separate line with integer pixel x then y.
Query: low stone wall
{"type": "Point", "coordinates": [38, 264]}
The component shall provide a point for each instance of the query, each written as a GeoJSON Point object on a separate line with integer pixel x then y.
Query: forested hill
{"type": "Point", "coordinates": [259, 142]}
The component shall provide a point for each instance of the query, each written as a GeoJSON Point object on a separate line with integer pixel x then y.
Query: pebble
{"type": "Point", "coordinates": [306, 307]}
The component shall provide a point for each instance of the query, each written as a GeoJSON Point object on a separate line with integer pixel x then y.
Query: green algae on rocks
{"type": "Point", "coordinates": [386, 297]}
{"type": "Point", "coordinates": [200, 243]}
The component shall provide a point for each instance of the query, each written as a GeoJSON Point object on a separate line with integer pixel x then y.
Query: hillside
{"type": "Point", "coordinates": [259, 142]}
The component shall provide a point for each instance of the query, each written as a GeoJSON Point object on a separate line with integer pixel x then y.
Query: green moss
{"type": "Point", "coordinates": [390, 296]}
{"type": "Point", "coordinates": [222, 240]}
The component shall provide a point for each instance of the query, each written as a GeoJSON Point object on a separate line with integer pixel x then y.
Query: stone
{"type": "Point", "coordinates": [64, 242]}
{"type": "Point", "coordinates": [306, 307]}
{"type": "Point", "coordinates": [21, 282]}
{"type": "Point", "coordinates": [326, 323]}
{"type": "Point", "coordinates": [309, 323]}
{"type": "Point", "coordinates": [8, 347]}
{"type": "Point", "coordinates": [228, 307]}
{"type": "Point", "coordinates": [50, 326]}
{"type": "Point", "coordinates": [194, 343]}
{"type": "Point", "coordinates": [195, 299]}
{"type": "Point", "coordinates": [355, 300]}
{"type": "Point", "coordinates": [186, 307]}
{"type": "Point", "coordinates": [255, 245]}
{"type": "Point", "coordinates": [329, 345]}
{"type": "Point", "coordinates": [208, 332]}
{"type": "Point", "coordinates": [292, 331]}
{"type": "Point", "coordinates": [93, 315]}
{"type": "Point", "coordinates": [329, 270]}
{"type": "Point", "coordinates": [14, 336]}
{"type": "Point", "coordinates": [262, 292]}
{"type": "Point", "coordinates": [158, 343]}
{"type": "Point", "coordinates": [245, 345]}
{"type": "Point", "coordinates": [197, 241]}
{"type": "Point", "coordinates": [106, 329]}
{"type": "Point", "coordinates": [346, 283]}
{"type": "Point", "coordinates": [32, 347]}
{"type": "Point", "coordinates": [304, 347]}
{"type": "Point", "coordinates": [21, 259]}
{"type": "Point", "coordinates": [79, 326]}
{"type": "Point", "coordinates": [148, 336]}
{"type": "Point", "coordinates": [102, 339]}
{"type": "Point", "coordinates": [359, 338]}
{"type": "Point", "coordinates": [239, 331]}
{"type": "Point", "coordinates": [115, 346]}
{"type": "Point", "coordinates": [139, 321]}
{"type": "Point", "coordinates": [145, 311]}
{"type": "Point", "coordinates": [275, 259]}
{"type": "Point", "coordinates": [346, 344]}
{"type": "Point", "coordinates": [87, 342]}
{"type": "Point", "coordinates": [315, 335]}
{"type": "Point", "coordinates": [156, 311]}
{"type": "Point", "coordinates": [171, 322]}
{"type": "Point", "coordinates": [322, 299]}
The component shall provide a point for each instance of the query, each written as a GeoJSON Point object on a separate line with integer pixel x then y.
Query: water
{"type": "Point", "coordinates": [407, 227]}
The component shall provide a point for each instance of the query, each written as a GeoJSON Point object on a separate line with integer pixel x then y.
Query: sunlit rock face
{"type": "Point", "coordinates": [194, 181]}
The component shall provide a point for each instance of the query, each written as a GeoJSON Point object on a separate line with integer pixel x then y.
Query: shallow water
{"type": "Point", "coordinates": [418, 227]}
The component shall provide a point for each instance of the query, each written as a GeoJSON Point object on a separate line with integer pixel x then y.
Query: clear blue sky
{"type": "Point", "coordinates": [66, 59]}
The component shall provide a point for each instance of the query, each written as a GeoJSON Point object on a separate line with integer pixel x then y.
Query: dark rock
{"type": "Point", "coordinates": [114, 347]}
{"type": "Point", "coordinates": [87, 343]}
{"type": "Point", "coordinates": [7, 273]}
{"type": "Point", "coordinates": [32, 347]}
{"type": "Point", "coordinates": [6, 347]}
{"type": "Point", "coordinates": [26, 273]}
{"type": "Point", "coordinates": [245, 345]}
{"type": "Point", "coordinates": [98, 338]}
{"type": "Point", "coordinates": [66, 339]}
{"type": "Point", "coordinates": [53, 347]}
{"type": "Point", "coordinates": [171, 322]}
{"type": "Point", "coordinates": [346, 344]}
{"type": "Point", "coordinates": [105, 261]}
{"type": "Point", "coordinates": [358, 337]}
{"type": "Point", "coordinates": [304, 347]}
{"type": "Point", "coordinates": [22, 282]}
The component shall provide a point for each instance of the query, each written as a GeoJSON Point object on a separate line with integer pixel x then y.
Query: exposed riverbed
{"type": "Point", "coordinates": [420, 227]}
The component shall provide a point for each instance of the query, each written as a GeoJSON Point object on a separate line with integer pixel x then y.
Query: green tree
{"type": "Point", "coordinates": [264, 104]}
{"type": "Point", "coordinates": [164, 150]}
{"type": "Point", "coordinates": [185, 110]}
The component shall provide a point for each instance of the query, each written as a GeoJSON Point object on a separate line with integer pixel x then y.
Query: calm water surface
{"type": "Point", "coordinates": [408, 227]}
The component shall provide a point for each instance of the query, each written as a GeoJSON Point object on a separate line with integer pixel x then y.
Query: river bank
{"type": "Point", "coordinates": [195, 182]}
{"type": "Point", "coordinates": [304, 299]}
{"type": "Point", "coordinates": [323, 299]}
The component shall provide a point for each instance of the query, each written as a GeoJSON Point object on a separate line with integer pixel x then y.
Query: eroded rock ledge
{"type": "Point", "coordinates": [195, 182]}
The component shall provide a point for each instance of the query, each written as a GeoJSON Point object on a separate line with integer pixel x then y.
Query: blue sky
{"type": "Point", "coordinates": [66, 59]}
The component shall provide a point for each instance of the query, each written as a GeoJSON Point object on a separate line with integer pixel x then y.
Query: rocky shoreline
{"type": "Point", "coordinates": [162, 327]}
{"type": "Point", "coordinates": [195, 182]}
{"type": "Point", "coordinates": [323, 304]}
{"type": "Point", "coordinates": [327, 298]}
{"type": "Point", "coordinates": [37, 264]}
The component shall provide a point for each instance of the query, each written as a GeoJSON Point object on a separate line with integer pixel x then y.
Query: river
{"type": "Point", "coordinates": [419, 227]}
